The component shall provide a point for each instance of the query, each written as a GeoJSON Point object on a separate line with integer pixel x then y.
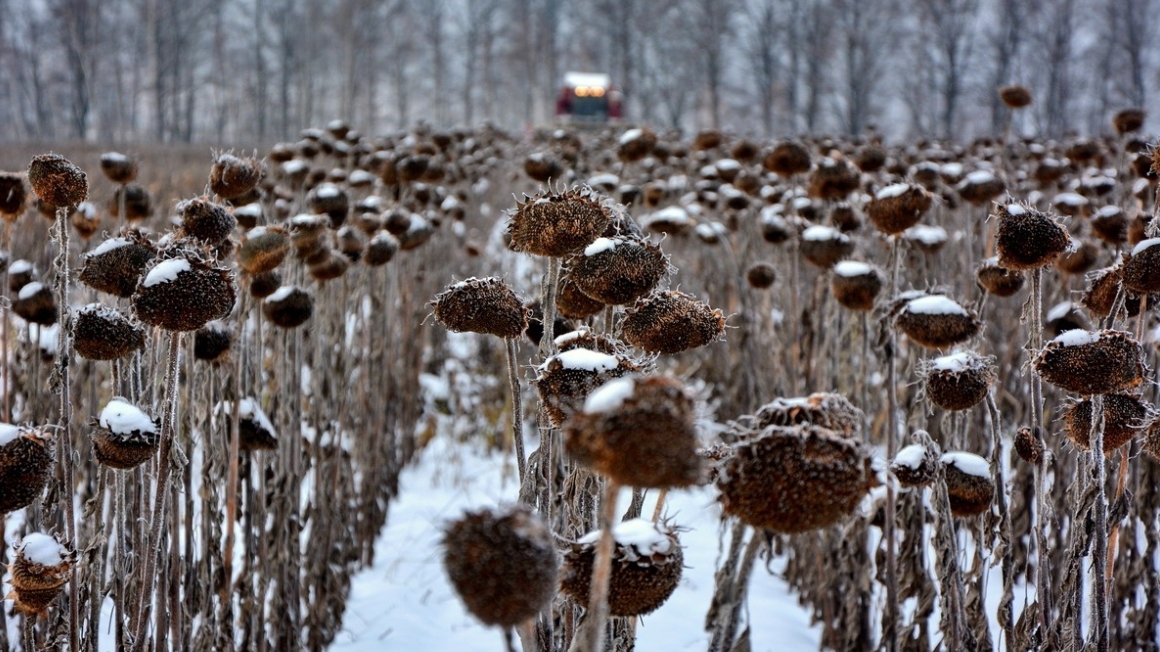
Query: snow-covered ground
{"type": "Point", "coordinates": [404, 602]}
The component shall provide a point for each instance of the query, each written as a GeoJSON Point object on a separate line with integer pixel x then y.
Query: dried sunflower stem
{"type": "Point", "coordinates": [890, 633]}
{"type": "Point", "coordinates": [1100, 632]}
{"type": "Point", "coordinates": [950, 577]}
{"type": "Point", "coordinates": [591, 636]}
{"type": "Point", "coordinates": [4, 356]}
{"type": "Point", "coordinates": [1122, 472]}
{"type": "Point", "coordinates": [160, 497]}
{"type": "Point", "coordinates": [3, 564]}
{"type": "Point", "coordinates": [551, 286]}
{"type": "Point", "coordinates": [1006, 604]}
{"type": "Point", "coordinates": [232, 476]}
{"type": "Point", "coordinates": [1041, 516]}
{"type": "Point", "coordinates": [517, 410]}
{"type": "Point", "coordinates": [1114, 537]}
{"type": "Point", "coordinates": [64, 355]}
{"type": "Point", "coordinates": [660, 506]}
{"type": "Point", "coordinates": [740, 588]}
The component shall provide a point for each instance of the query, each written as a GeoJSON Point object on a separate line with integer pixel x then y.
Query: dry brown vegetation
{"type": "Point", "coordinates": [767, 317]}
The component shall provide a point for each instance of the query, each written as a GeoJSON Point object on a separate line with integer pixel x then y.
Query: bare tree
{"type": "Point", "coordinates": [866, 30]}
{"type": "Point", "coordinates": [477, 34]}
{"type": "Point", "coordinates": [763, 47]}
{"type": "Point", "coordinates": [817, 28]}
{"type": "Point", "coordinates": [1133, 31]}
{"type": "Point", "coordinates": [949, 28]}
{"type": "Point", "coordinates": [433, 14]}
{"type": "Point", "coordinates": [1004, 41]}
{"type": "Point", "coordinates": [710, 30]}
{"type": "Point", "coordinates": [1054, 41]}
{"type": "Point", "coordinates": [78, 27]}
{"type": "Point", "coordinates": [665, 95]}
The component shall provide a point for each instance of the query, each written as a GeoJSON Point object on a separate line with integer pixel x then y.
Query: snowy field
{"type": "Point", "coordinates": [405, 602]}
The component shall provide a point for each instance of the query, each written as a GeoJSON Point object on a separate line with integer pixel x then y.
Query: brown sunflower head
{"type": "Point", "coordinates": [183, 293]}
{"type": "Point", "coordinates": [646, 567]}
{"type": "Point", "coordinates": [1028, 238]}
{"type": "Point", "coordinates": [502, 563]}
{"type": "Point", "coordinates": [481, 305]}
{"type": "Point", "coordinates": [558, 224]}
{"type": "Point", "coordinates": [671, 322]}
{"type": "Point", "coordinates": [638, 431]}
{"type": "Point", "coordinates": [1090, 363]}
{"type": "Point", "coordinates": [56, 181]}
{"type": "Point", "coordinates": [794, 479]}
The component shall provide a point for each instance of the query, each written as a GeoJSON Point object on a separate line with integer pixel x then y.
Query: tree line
{"type": "Point", "coordinates": [260, 70]}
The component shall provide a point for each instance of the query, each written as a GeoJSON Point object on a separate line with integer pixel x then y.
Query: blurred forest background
{"type": "Point", "coordinates": [116, 71]}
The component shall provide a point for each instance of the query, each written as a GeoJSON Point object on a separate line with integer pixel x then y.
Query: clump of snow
{"type": "Point", "coordinates": [955, 363]}
{"type": "Point", "coordinates": [8, 433]}
{"type": "Point", "coordinates": [1016, 209]}
{"type": "Point", "coordinates": [327, 191]}
{"type": "Point", "coordinates": [951, 169]}
{"type": "Point", "coordinates": [610, 396]}
{"type": "Point", "coordinates": [911, 294]}
{"type": "Point", "coordinates": [910, 456]}
{"type": "Point", "coordinates": [630, 135]}
{"type": "Point", "coordinates": [122, 418]}
{"type": "Point", "coordinates": [771, 214]}
{"type": "Point", "coordinates": [586, 360]}
{"type": "Point", "coordinates": [281, 294]}
{"type": "Point", "coordinates": [599, 246]}
{"type": "Point", "coordinates": [818, 233]}
{"type": "Point", "coordinates": [103, 248]}
{"type": "Point", "coordinates": [895, 190]}
{"type": "Point", "coordinates": [371, 204]}
{"type": "Point", "coordinates": [672, 214]}
{"type": "Point", "coordinates": [928, 235]}
{"type": "Point", "coordinates": [166, 271]}
{"type": "Point", "coordinates": [1070, 199]}
{"type": "Point", "coordinates": [250, 410]}
{"type": "Point", "coordinates": [359, 177]}
{"type": "Point", "coordinates": [934, 305]}
{"type": "Point", "coordinates": [606, 179]}
{"type": "Point", "coordinates": [30, 290]}
{"type": "Point", "coordinates": [572, 336]}
{"type": "Point", "coordinates": [293, 167]}
{"type": "Point", "coordinates": [49, 341]}
{"type": "Point", "coordinates": [851, 268]}
{"type": "Point", "coordinates": [640, 538]}
{"type": "Point", "coordinates": [307, 220]}
{"type": "Point", "coordinates": [471, 280]}
{"type": "Point", "coordinates": [42, 549]}
{"type": "Point", "coordinates": [1145, 244]}
{"type": "Point", "coordinates": [980, 177]}
{"type": "Point", "coordinates": [418, 223]}
{"type": "Point", "coordinates": [249, 210]}
{"type": "Point", "coordinates": [711, 230]}
{"type": "Point", "coordinates": [968, 463]}
{"type": "Point", "coordinates": [1076, 337]}
{"type": "Point", "coordinates": [257, 232]}
{"type": "Point", "coordinates": [1109, 211]}
{"type": "Point", "coordinates": [728, 164]}
{"type": "Point", "coordinates": [1060, 311]}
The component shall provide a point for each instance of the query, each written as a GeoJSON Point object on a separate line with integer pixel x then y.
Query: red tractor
{"type": "Point", "coordinates": [588, 97]}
